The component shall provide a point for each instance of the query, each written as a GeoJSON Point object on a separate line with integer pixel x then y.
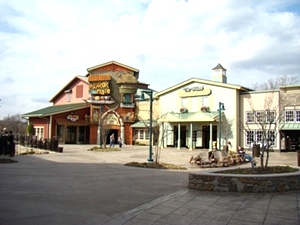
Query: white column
{"type": "Point", "coordinates": [210, 135]}
{"type": "Point", "coordinates": [191, 136]}
{"type": "Point", "coordinates": [178, 140]}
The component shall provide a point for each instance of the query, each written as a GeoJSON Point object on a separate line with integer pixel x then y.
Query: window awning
{"type": "Point", "coordinates": [289, 126]}
{"type": "Point", "coordinates": [143, 124]}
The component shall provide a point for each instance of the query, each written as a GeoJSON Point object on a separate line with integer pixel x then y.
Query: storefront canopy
{"type": "Point", "coordinates": [143, 124]}
{"type": "Point", "coordinates": [55, 109]}
{"type": "Point", "coordinates": [289, 126]}
{"type": "Point", "coordinates": [191, 117]}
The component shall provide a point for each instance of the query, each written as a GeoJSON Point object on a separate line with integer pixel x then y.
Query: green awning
{"type": "Point", "coordinates": [143, 124]}
{"type": "Point", "coordinates": [51, 110]}
{"type": "Point", "coordinates": [289, 126]}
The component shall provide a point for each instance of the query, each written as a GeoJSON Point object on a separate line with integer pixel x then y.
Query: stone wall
{"type": "Point", "coordinates": [210, 181]}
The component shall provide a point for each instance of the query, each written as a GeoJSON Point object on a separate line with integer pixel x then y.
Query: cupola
{"type": "Point", "coordinates": [219, 74]}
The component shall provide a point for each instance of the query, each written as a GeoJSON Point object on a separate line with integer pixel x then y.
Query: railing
{"type": "Point", "coordinates": [33, 142]}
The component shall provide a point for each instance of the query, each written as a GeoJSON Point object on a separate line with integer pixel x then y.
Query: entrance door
{"type": "Point", "coordinates": [70, 135]}
{"type": "Point", "coordinates": [112, 131]}
{"type": "Point", "coordinates": [182, 136]}
{"type": "Point", "coordinates": [206, 137]}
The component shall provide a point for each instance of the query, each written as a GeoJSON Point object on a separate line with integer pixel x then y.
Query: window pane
{"type": "Point", "coordinates": [289, 116]}
{"type": "Point", "coordinates": [271, 138]}
{"type": "Point", "coordinates": [142, 135]}
{"type": "Point", "coordinates": [297, 116]}
{"type": "Point", "coordinates": [147, 135]}
{"type": "Point", "coordinates": [260, 116]}
{"type": "Point", "coordinates": [249, 137]}
{"type": "Point", "coordinates": [259, 136]}
{"type": "Point", "coordinates": [270, 116]}
{"type": "Point", "coordinates": [250, 117]}
{"type": "Point", "coordinates": [136, 134]}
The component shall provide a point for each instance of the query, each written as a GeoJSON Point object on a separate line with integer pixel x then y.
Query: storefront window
{"type": "Point", "coordinates": [292, 115]}
{"type": "Point", "coordinates": [289, 116]}
{"type": "Point", "coordinates": [39, 132]}
{"type": "Point", "coordinates": [250, 117]}
{"type": "Point", "coordinates": [249, 137]}
{"type": "Point", "coordinates": [147, 134]}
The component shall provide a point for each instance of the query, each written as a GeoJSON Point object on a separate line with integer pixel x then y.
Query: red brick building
{"type": "Point", "coordinates": [90, 108]}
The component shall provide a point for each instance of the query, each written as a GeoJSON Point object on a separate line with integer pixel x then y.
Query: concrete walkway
{"type": "Point", "coordinates": [85, 187]}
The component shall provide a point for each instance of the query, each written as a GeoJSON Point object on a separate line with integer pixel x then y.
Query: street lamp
{"type": "Point", "coordinates": [150, 94]}
{"type": "Point", "coordinates": [221, 107]}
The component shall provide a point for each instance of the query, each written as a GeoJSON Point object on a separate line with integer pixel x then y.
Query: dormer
{"type": "Point", "coordinates": [219, 74]}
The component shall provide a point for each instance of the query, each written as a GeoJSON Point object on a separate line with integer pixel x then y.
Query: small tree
{"type": "Point", "coordinates": [30, 129]}
{"type": "Point", "coordinates": [266, 124]}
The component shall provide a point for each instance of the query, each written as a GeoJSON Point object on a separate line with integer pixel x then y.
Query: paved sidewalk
{"type": "Point", "coordinates": [84, 187]}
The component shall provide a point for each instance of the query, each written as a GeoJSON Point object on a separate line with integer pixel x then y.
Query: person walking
{"type": "Point", "coordinates": [11, 144]}
{"type": "Point", "coordinates": [120, 141]}
{"type": "Point", "coordinates": [112, 140]}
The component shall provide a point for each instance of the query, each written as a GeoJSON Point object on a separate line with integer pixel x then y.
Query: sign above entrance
{"type": "Point", "coordinates": [194, 91]}
{"type": "Point", "coordinates": [72, 117]}
{"type": "Point", "coordinates": [111, 119]}
{"type": "Point", "coordinates": [99, 84]}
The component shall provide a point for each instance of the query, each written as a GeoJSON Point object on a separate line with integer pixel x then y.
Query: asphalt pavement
{"type": "Point", "coordinates": [85, 187]}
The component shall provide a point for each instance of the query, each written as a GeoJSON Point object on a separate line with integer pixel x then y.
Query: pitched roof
{"type": "Point", "coordinates": [219, 66]}
{"type": "Point", "coordinates": [202, 81]}
{"type": "Point", "coordinates": [83, 78]}
{"type": "Point", "coordinates": [143, 124]}
{"type": "Point", "coordinates": [112, 62]}
{"type": "Point", "coordinates": [55, 109]}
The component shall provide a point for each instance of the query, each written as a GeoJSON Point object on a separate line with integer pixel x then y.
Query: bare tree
{"type": "Point", "coordinates": [275, 82]}
{"type": "Point", "coordinates": [14, 123]}
{"type": "Point", "coordinates": [265, 121]}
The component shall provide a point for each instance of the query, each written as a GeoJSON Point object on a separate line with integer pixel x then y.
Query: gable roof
{"type": "Point", "coordinates": [203, 81]}
{"type": "Point", "coordinates": [112, 62]}
{"type": "Point", "coordinates": [83, 78]}
{"type": "Point", "coordinates": [219, 66]}
{"type": "Point", "coordinates": [55, 109]}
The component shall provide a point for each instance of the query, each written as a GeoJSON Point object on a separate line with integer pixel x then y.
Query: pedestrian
{"type": "Point", "coordinates": [112, 140]}
{"type": "Point", "coordinates": [11, 144]}
{"type": "Point", "coordinates": [4, 142]}
{"type": "Point", "coordinates": [120, 142]}
{"type": "Point", "coordinates": [243, 154]}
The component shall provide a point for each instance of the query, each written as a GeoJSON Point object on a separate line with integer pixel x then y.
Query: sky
{"type": "Point", "coordinates": [44, 44]}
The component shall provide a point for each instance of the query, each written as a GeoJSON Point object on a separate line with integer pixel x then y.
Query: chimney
{"type": "Point", "coordinates": [219, 74]}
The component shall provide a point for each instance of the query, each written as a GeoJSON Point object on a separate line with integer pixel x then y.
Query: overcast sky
{"type": "Point", "coordinates": [45, 43]}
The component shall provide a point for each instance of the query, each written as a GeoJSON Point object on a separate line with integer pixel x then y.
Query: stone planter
{"type": "Point", "coordinates": [210, 181]}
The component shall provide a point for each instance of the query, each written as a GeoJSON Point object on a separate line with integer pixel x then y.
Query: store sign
{"type": "Point", "coordinates": [100, 87]}
{"type": "Point", "coordinates": [197, 88]}
{"type": "Point", "coordinates": [72, 117]}
{"type": "Point", "coordinates": [194, 91]}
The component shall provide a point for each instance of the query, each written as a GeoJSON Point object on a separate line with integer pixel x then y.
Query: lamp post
{"type": "Point", "coordinates": [150, 94]}
{"type": "Point", "coordinates": [221, 107]}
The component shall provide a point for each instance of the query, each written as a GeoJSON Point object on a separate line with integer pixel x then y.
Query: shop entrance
{"type": "Point", "coordinates": [109, 133]}
{"type": "Point", "coordinates": [290, 140]}
{"type": "Point", "coordinates": [182, 136]}
{"type": "Point", "coordinates": [206, 135]}
{"type": "Point", "coordinates": [70, 135]}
